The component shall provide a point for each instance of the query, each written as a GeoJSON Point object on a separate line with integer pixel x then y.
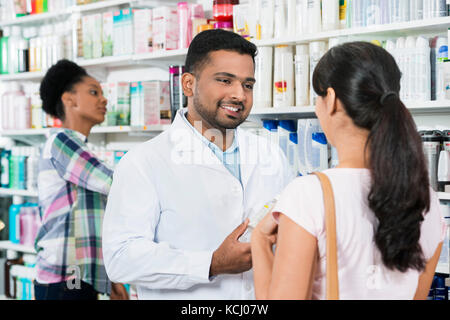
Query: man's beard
{"type": "Point", "coordinates": [210, 116]}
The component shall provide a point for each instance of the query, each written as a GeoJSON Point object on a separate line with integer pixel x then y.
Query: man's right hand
{"type": "Point", "coordinates": [232, 256]}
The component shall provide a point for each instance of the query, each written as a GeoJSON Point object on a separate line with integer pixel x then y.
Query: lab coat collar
{"type": "Point", "coordinates": [190, 150]}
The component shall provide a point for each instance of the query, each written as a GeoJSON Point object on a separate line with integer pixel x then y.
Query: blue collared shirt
{"type": "Point", "coordinates": [229, 157]}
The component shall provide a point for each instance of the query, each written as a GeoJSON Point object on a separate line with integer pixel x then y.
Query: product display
{"type": "Point", "coordinates": [145, 92]}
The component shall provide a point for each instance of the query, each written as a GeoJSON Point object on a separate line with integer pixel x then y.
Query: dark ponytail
{"type": "Point", "coordinates": [366, 80]}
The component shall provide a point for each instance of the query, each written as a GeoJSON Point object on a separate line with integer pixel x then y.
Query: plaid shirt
{"type": "Point", "coordinates": [73, 187]}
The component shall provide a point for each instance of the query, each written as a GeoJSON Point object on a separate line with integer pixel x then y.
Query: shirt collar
{"type": "Point", "coordinates": [210, 144]}
{"type": "Point", "coordinates": [71, 132]}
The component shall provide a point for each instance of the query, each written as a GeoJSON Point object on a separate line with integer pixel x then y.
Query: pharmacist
{"type": "Point", "coordinates": [179, 203]}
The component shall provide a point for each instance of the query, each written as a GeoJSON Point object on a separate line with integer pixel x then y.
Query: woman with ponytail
{"type": "Point", "coordinates": [388, 224]}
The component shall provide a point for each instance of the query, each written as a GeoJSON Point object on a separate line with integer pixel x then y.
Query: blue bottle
{"type": "Point", "coordinates": [14, 220]}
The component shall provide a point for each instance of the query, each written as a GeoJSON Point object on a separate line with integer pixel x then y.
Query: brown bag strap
{"type": "Point", "coordinates": [330, 228]}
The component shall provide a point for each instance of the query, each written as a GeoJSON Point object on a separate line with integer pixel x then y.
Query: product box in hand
{"type": "Point", "coordinates": [143, 31]}
{"type": "Point", "coordinates": [165, 28]}
{"type": "Point", "coordinates": [150, 103]}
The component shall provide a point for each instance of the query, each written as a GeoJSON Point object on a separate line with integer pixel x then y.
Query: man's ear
{"type": "Point", "coordinates": [188, 82]}
{"type": "Point", "coordinates": [331, 101]}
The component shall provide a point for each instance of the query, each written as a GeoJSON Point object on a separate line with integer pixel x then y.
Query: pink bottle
{"type": "Point", "coordinates": [184, 25]}
{"type": "Point", "coordinates": [30, 222]}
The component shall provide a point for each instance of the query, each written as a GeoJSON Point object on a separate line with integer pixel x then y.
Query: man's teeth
{"type": "Point", "coordinates": [231, 108]}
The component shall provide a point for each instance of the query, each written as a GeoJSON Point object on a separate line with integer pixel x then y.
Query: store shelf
{"type": "Point", "coordinates": [8, 245]}
{"type": "Point", "coordinates": [22, 193]}
{"type": "Point", "coordinates": [100, 5]}
{"type": "Point", "coordinates": [22, 76]}
{"type": "Point", "coordinates": [443, 268]}
{"type": "Point", "coordinates": [3, 297]}
{"type": "Point", "coordinates": [416, 108]}
{"type": "Point", "coordinates": [435, 25]}
{"type": "Point", "coordinates": [444, 196]}
{"type": "Point", "coordinates": [98, 129]}
{"type": "Point", "coordinates": [36, 18]}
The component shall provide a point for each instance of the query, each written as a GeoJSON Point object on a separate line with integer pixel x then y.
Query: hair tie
{"type": "Point", "coordinates": [386, 95]}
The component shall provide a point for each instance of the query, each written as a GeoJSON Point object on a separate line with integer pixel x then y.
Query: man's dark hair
{"type": "Point", "coordinates": [213, 40]}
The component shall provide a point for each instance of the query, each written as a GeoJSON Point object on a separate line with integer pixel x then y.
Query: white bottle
{"type": "Point", "coordinates": [400, 57]}
{"type": "Point", "coordinates": [314, 16]}
{"type": "Point", "coordinates": [410, 68]}
{"type": "Point", "coordinates": [302, 75]}
{"type": "Point", "coordinates": [283, 89]}
{"type": "Point", "coordinates": [13, 44]}
{"type": "Point", "coordinates": [358, 13]}
{"type": "Point", "coordinates": [424, 69]}
{"type": "Point", "coordinates": [301, 13]}
{"type": "Point", "coordinates": [280, 21]}
{"type": "Point", "coordinates": [23, 112]}
{"type": "Point", "coordinates": [416, 10]}
{"type": "Point", "coordinates": [330, 15]}
{"type": "Point", "coordinates": [373, 14]}
{"type": "Point", "coordinates": [5, 106]}
{"type": "Point", "coordinates": [316, 50]}
{"type": "Point", "coordinates": [267, 18]}
{"type": "Point", "coordinates": [404, 10]}
{"type": "Point", "coordinates": [262, 91]}
{"type": "Point", "coordinates": [441, 55]}
{"type": "Point", "coordinates": [291, 17]}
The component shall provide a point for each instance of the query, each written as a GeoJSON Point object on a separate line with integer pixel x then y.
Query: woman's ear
{"type": "Point", "coordinates": [68, 100]}
{"type": "Point", "coordinates": [331, 101]}
{"type": "Point", "coordinates": [187, 82]}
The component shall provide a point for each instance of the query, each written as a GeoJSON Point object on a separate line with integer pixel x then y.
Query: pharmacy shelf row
{"type": "Point", "coordinates": [416, 108]}
{"type": "Point", "coordinates": [42, 17]}
{"type": "Point", "coordinates": [157, 58]}
{"type": "Point", "coordinates": [433, 26]}
{"type": "Point", "coordinates": [99, 129]}
{"type": "Point", "coordinates": [8, 245]}
{"type": "Point", "coordinates": [16, 192]}
{"type": "Point", "coordinates": [429, 26]}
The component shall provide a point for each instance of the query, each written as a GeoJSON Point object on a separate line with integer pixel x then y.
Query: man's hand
{"type": "Point", "coordinates": [118, 292]}
{"type": "Point", "coordinates": [232, 256]}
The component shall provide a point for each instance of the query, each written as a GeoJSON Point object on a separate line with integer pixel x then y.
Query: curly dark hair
{"type": "Point", "coordinates": [60, 78]}
{"type": "Point", "coordinates": [366, 80]}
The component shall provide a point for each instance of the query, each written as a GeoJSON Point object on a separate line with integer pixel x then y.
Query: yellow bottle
{"type": "Point", "coordinates": [39, 6]}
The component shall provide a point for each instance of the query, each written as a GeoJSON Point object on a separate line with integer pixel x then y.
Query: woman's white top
{"type": "Point", "coordinates": [362, 274]}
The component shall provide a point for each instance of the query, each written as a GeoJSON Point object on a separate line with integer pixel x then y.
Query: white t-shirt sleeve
{"type": "Point", "coordinates": [302, 202]}
{"type": "Point", "coordinates": [432, 231]}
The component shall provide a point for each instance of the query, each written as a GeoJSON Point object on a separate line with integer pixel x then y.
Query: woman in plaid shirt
{"type": "Point", "coordinates": [73, 185]}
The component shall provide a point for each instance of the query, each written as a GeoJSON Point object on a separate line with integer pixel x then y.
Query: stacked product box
{"type": "Point", "coordinates": [165, 28]}
{"type": "Point", "coordinates": [143, 31]}
{"type": "Point", "coordinates": [150, 103]}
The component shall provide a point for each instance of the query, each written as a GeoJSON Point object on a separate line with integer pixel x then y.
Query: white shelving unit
{"type": "Point", "coordinates": [98, 129]}
{"type": "Point", "coordinates": [430, 109]}
{"type": "Point", "coordinates": [21, 193]}
{"type": "Point", "coordinates": [444, 196]}
{"type": "Point", "coordinates": [8, 245]}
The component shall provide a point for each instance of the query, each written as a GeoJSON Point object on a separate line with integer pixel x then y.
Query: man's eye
{"type": "Point", "coordinates": [224, 81]}
{"type": "Point", "coordinates": [249, 86]}
{"type": "Point", "coordinates": [94, 92]}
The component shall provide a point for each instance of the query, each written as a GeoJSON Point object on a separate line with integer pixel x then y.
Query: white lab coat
{"type": "Point", "coordinates": [173, 202]}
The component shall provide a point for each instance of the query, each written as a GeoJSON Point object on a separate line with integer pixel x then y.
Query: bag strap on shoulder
{"type": "Point", "coordinates": [330, 228]}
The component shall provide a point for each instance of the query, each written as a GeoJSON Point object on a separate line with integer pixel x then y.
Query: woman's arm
{"type": "Point", "coordinates": [76, 164]}
{"type": "Point", "coordinates": [425, 279]}
{"type": "Point", "coordinates": [290, 273]}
